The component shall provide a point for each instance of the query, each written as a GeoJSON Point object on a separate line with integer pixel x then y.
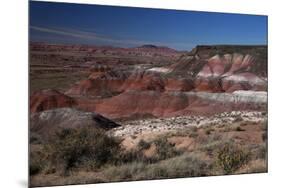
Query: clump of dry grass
{"type": "Point", "coordinates": [186, 165]}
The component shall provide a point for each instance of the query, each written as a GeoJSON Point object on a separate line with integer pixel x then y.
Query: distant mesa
{"type": "Point", "coordinates": [156, 48]}
{"type": "Point", "coordinates": [148, 46]}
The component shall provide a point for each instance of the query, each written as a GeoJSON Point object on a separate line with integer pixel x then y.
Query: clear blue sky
{"type": "Point", "coordinates": [64, 23]}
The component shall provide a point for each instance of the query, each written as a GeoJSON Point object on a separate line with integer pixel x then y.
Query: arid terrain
{"type": "Point", "coordinates": [104, 114]}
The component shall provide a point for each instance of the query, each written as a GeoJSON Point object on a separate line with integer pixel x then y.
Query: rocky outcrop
{"type": "Point", "coordinates": [50, 121]}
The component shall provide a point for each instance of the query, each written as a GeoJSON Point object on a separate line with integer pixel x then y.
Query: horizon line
{"type": "Point", "coordinates": [116, 46]}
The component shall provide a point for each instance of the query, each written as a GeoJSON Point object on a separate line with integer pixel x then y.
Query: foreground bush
{"type": "Point", "coordinates": [231, 157]}
{"type": "Point", "coordinates": [142, 145]}
{"type": "Point", "coordinates": [36, 163]}
{"type": "Point", "coordinates": [85, 147]}
{"type": "Point", "coordinates": [165, 149]}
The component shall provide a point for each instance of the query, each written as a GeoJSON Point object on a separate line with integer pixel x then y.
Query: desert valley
{"type": "Point", "coordinates": [148, 112]}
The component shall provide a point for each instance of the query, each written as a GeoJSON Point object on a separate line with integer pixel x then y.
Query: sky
{"type": "Point", "coordinates": [66, 23]}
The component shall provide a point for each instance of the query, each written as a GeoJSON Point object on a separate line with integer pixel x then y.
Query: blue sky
{"type": "Point", "coordinates": [65, 23]}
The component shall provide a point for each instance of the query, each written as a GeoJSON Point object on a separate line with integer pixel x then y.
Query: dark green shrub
{"type": "Point", "coordinates": [231, 157]}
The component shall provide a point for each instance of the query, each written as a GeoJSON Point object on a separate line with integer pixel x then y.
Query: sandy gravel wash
{"type": "Point", "coordinates": [130, 128]}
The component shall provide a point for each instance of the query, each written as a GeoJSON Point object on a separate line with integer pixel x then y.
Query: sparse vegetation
{"type": "Point", "coordinates": [89, 150]}
{"type": "Point", "coordinates": [185, 165]}
{"type": "Point", "coordinates": [89, 147]}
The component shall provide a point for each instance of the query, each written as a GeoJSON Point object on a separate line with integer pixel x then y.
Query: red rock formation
{"type": "Point", "coordinates": [181, 84]}
{"type": "Point", "coordinates": [229, 73]}
{"type": "Point", "coordinates": [165, 104]}
{"type": "Point", "coordinates": [144, 80]}
{"type": "Point", "coordinates": [145, 102]}
{"type": "Point", "coordinates": [99, 84]}
{"type": "Point", "coordinates": [49, 99]}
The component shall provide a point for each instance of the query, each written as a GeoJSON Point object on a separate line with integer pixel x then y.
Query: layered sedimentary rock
{"type": "Point", "coordinates": [207, 80]}
{"type": "Point", "coordinates": [49, 99]}
{"type": "Point", "coordinates": [100, 84]}
{"type": "Point", "coordinates": [229, 73]}
{"type": "Point", "coordinates": [165, 104]}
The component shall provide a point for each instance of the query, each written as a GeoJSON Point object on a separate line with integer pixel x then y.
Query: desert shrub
{"type": "Point", "coordinates": [211, 147]}
{"type": "Point", "coordinates": [193, 129]}
{"type": "Point", "coordinates": [231, 157]}
{"type": "Point", "coordinates": [264, 136]}
{"type": "Point", "coordinates": [238, 128]}
{"type": "Point", "coordinates": [264, 113]}
{"type": "Point", "coordinates": [34, 168]}
{"type": "Point", "coordinates": [165, 149]}
{"type": "Point", "coordinates": [142, 145]}
{"type": "Point", "coordinates": [212, 143]}
{"type": "Point", "coordinates": [186, 165]}
{"type": "Point", "coordinates": [193, 135]}
{"type": "Point", "coordinates": [259, 151]}
{"type": "Point", "coordinates": [124, 172]}
{"type": "Point", "coordinates": [130, 156]}
{"type": "Point", "coordinates": [208, 130]}
{"type": "Point", "coordinates": [35, 138]}
{"type": "Point", "coordinates": [81, 147]}
{"type": "Point", "coordinates": [37, 162]}
{"type": "Point", "coordinates": [264, 126]}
